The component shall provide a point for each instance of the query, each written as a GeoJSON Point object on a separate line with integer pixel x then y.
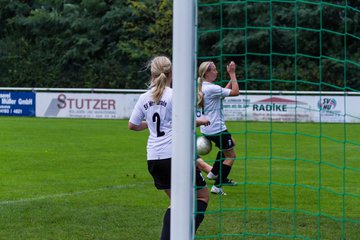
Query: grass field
{"type": "Point", "coordinates": [88, 179]}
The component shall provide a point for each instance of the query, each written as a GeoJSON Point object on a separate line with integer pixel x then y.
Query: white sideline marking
{"type": "Point", "coordinates": [23, 200]}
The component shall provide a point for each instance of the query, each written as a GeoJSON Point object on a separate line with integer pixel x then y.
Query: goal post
{"type": "Point", "coordinates": [182, 179]}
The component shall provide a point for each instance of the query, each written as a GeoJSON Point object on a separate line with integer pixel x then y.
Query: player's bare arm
{"type": "Point", "coordinates": [232, 84]}
{"type": "Point", "coordinates": [143, 125]}
{"type": "Point", "coordinates": [202, 121]}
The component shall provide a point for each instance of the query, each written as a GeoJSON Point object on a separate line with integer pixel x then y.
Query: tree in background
{"type": "Point", "coordinates": [81, 43]}
{"type": "Point", "coordinates": [285, 45]}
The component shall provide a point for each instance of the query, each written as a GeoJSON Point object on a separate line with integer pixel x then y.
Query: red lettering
{"type": "Point", "coordinates": [103, 104]}
{"type": "Point", "coordinates": [62, 101]}
{"type": "Point", "coordinates": [79, 106]}
{"type": "Point", "coordinates": [96, 104]}
{"type": "Point", "coordinates": [112, 103]}
{"type": "Point", "coordinates": [87, 103]}
{"type": "Point", "coordinates": [70, 100]}
{"type": "Point", "coordinates": [97, 101]}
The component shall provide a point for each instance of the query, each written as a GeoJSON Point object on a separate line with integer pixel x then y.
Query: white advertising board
{"type": "Point", "coordinates": [85, 105]}
{"type": "Point", "coordinates": [277, 108]}
{"type": "Point", "coordinates": [292, 108]}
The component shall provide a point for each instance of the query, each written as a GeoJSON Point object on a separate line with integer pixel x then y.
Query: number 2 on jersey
{"type": "Point", "coordinates": [156, 118]}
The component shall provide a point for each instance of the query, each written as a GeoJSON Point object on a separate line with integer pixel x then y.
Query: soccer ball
{"type": "Point", "coordinates": [203, 145]}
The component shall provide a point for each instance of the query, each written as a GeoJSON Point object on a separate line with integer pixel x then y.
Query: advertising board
{"type": "Point", "coordinates": [17, 104]}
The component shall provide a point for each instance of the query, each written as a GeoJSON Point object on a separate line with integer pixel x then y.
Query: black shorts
{"type": "Point", "coordinates": [222, 140]}
{"type": "Point", "coordinates": [160, 170]}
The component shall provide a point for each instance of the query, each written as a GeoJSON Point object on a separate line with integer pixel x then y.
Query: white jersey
{"type": "Point", "coordinates": [213, 95]}
{"type": "Point", "coordinates": [159, 119]}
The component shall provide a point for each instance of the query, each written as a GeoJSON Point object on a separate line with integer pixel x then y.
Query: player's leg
{"type": "Point", "coordinates": [202, 198]}
{"type": "Point", "coordinates": [160, 170]}
{"type": "Point", "coordinates": [220, 157]}
{"type": "Point", "coordinates": [225, 143]}
{"type": "Point", "coordinates": [202, 165]}
{"type": "Point", "coordinates": [216, 139]}
{"type": "Point", "coordinates": [202, 203]}
{"type": "Point", "coordinates": [165, 232]}
{"type": "Point", "coordinates": [227, 165]}
{"type": "Point", "coordinates": [229, 157]}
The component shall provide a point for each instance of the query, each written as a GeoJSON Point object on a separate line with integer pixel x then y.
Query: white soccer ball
{"type": "Point", "coordinates": [203, 145]}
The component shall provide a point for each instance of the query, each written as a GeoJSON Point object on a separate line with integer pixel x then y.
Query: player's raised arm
{"type": "Point", "coordinates": [232, 84]}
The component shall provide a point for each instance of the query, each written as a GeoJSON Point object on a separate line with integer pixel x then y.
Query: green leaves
{"type": "Point", "coordinates": [285, 45]}
{"type": "Point", "coordinates": [81, 43]}
{"type": "Point", "coordinates": [288, 45]}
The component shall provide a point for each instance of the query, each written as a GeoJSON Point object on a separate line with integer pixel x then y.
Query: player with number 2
{"type": "Point", "coordinates": [153, 110]}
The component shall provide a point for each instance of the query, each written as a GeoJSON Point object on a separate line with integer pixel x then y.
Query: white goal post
{"type": "Point", "coordinates": [182, 202]}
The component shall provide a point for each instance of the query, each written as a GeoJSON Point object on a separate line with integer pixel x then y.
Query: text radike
{"type": "Point", "coordinates": [270, 107]}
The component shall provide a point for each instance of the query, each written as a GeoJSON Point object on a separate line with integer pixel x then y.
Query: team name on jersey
{"type": "Point", "coordinates": [152, 103]}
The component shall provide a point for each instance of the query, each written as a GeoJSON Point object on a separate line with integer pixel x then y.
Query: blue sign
{"type": "Point", "coordinates": [17, 104]}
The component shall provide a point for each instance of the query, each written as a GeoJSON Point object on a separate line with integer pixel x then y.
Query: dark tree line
{"type": "Point", "coordinates": [285, 45]}
{"type": "Point", "coordinates": [81, 43]}
{"type": "Point", "coordinates": [278, 45]}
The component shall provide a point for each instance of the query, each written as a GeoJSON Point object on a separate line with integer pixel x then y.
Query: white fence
{"type": "Point", "coordinates": [284, 106]}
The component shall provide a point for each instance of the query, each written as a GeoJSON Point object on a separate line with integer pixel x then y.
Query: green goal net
{"type": "Point", "coordinates": [295, 122]}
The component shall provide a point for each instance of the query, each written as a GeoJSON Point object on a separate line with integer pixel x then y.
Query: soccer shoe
{"type": "Point", "coordinates": [211, 176]}
{"type": "Point", "coordinates": [217, 190]}
{"type": "Point", "coordinates": [230, 182]}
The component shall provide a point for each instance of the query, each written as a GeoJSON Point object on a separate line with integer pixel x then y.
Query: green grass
{"type": "Point", "coordinates": [87, 179]}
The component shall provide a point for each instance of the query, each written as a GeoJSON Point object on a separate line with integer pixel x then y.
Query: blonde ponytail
{"type": "Point", "coordinates": [160, 76]}
{"type": "Point", "coordinates": [160, 84]}
{"type": "Point", "coordinates": [203, 69]}
{"type": "Point", "coordinates": [200, 102]}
